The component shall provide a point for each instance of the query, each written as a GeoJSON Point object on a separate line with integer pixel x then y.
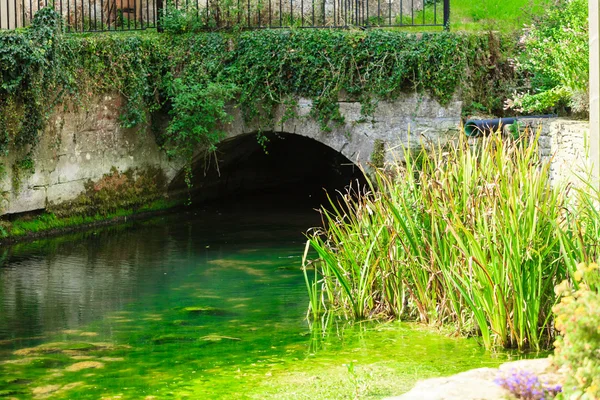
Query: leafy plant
{"type": "Point", "coordinates": [179, 20]}
{"type": "Point", "coordinates": [197, 113]}
{"type": "Point", "coordinates": [555, 59]}
{"type": "Point", "coordinates": [577, 320]}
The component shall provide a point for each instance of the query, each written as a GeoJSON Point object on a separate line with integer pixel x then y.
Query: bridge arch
{"type": "Point", "coordinates": [295, 141]}
{"type": "Point", "coordinates": [285, 163]}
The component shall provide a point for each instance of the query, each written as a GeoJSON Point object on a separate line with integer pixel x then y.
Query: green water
{"type": "Point", "coordinates": [200, 305]}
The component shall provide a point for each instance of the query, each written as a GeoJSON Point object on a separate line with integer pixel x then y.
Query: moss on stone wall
{"type": "Point", "coordinates": [378, 155]}
{"type": "Point", "coordinates": [113, 197]}
{"type": "Point", "coordinates": [28, 227]}
{"type": "Point", "coordinates": [131, 189]}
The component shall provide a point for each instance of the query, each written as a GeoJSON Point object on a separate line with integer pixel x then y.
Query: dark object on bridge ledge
{"type": "Point", "coordinates": [478, 127]}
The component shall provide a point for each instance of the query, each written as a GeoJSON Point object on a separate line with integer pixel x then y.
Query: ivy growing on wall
{"type": "Point", "coordinates": [32, 81]}
{"type": "Point", "coordinates": [192, 77]}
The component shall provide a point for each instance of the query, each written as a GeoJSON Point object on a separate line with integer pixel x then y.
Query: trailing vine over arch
{"type": "Point", "coordinates": [191, 78]}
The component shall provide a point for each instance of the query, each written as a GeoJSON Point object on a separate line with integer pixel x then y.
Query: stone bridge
{"type": "Point", "coordinates": [82, 146]}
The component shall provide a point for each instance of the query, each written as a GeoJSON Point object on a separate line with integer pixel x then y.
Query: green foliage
{"type": "Point", "coordinates": [192, 77]}
{"type": "Point", "coordinates": [555, 58]}
{"type": "Point", "coordinates": [182, 19]}
{"type": "Point", "coordinates": [130, 65]}
{"type": "Point", "coordinates": [196, 114]}
{"type": "Point", "coordinates": [465, 235]}
{"type": "Point", "coordinates": [31, 80]}
{"type": "Point", "coordinates": [578, 321]}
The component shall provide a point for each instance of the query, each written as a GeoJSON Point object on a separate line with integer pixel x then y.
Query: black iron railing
{"type": "Point", "coordinates": [116, 15]}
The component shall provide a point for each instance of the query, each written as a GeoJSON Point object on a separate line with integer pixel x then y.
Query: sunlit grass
{"type": "Point", "coordinates": [485, 15]}
{"type": "Point", "coordinates": [494, 15]}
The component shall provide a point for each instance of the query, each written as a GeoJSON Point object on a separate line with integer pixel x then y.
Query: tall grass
{"type": "Point", "coordinates": [470, 234]}
{"type": "Point", "coordinates": [579, 233]}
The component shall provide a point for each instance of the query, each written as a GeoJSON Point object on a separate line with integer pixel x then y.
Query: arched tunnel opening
{"type": "Point", "coordinates": [288, 171]}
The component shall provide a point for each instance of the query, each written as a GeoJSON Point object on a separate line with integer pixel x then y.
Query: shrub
{"type": "Point", "coordinates": [180, 20]}
{"type": "Point", "coordinates": [578, 321]}
{"type": "Point", "coordinates": [555, 60]}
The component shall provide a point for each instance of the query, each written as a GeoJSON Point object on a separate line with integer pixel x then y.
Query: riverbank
{"type": "Point", "coordinates": [527, 377]}
{"type": "Point", "coordinates": [31, 227]}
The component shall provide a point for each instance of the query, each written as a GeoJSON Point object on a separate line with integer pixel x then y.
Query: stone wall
{"type": "Point", "coordinates": [78, 146]}
{"type": "Point", "coordinates": [83, 145]}
{"type": "Point", "coordinates": [566, 142]}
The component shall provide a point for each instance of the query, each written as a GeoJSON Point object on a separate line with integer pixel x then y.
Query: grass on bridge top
{"type": "Point", "coordinates": [507, 15]}
{"type": "Point", "coordinates": [480, 15]}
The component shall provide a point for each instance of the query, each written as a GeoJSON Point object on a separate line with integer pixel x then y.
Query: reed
{"type": "Point", "coordinates": [470, 234]}
{"type": "Point", "coordinates": [579, 229]}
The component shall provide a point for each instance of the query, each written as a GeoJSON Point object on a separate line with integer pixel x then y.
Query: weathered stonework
{"type": "Point", "coordinates": [566, 142]}
{"type": "Point", "coordinates": [78, 146]}
{"type": "Point", "coordinates": [83, 145]}
{"type": "Point", "coordinates": [406, 120]}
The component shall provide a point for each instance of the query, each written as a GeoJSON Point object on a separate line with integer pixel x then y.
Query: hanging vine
{"type": "Point", "coordinates": [191, 78]}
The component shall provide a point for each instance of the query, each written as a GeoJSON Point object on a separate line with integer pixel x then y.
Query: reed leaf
{"type": "Point", "coordinates": [470, 233]}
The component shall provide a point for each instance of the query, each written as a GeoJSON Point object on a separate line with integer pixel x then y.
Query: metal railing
{"type": "Point", "coordinates": [126, 15]}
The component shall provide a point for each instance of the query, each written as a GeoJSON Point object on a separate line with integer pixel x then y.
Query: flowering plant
{"type": "Point", "coordinates": [578, 321]}
{"type": "Point", "coordinates": [527, 386]}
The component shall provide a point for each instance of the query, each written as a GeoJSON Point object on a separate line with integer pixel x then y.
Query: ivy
{"type": "Point", "coordinates": [31, 80]}
{"type": "Point", "coordinates": [191, 79]}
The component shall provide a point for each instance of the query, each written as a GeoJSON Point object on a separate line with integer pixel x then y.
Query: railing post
{"type": "Point", "coordinates": [446, 14]}
{"type": "Point", "coordinates": [159, 15]}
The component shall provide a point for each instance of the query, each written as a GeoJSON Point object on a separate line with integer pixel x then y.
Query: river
{"type": "Point", "coordinates": [201, 304]}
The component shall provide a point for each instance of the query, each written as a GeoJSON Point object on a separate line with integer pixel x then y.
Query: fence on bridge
{"type": "Point", "coordinates": [125, 15]}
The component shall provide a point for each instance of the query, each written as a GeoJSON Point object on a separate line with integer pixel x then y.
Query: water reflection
{"type": "Point", "coordinates": [62, 283]}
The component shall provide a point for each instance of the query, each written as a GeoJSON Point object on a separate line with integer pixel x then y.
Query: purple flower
{"type": "Point", "coordinates": [526, 385]}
